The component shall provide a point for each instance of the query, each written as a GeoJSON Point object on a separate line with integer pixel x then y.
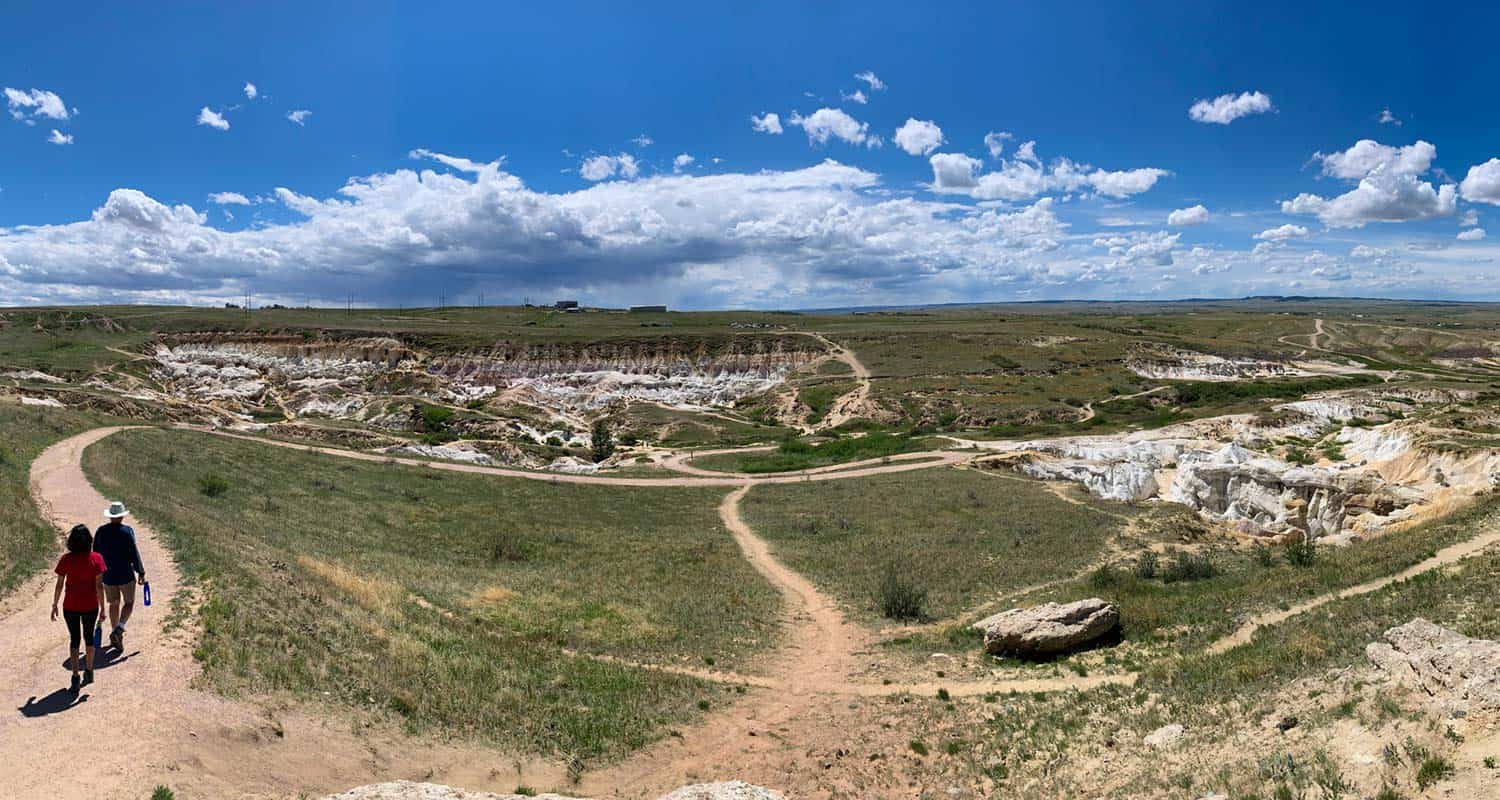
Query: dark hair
{"type": "Point", "coordinates": [80, 540]}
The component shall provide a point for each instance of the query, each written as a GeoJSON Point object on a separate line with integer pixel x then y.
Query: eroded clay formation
{"type": "Point", "coordinates": [1240, 468]}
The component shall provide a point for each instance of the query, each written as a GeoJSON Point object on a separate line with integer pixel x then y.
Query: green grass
{"type": "Point", "coordinates": [798, 454]}
{"type": "Point", "coordinates": [447, 599]}
{"type": "Point", "coordinates": [27, 542]}
{"type": "Point", "coordinates": [961, 536]}
{"type": "Point", "coordinates": [819, 397]}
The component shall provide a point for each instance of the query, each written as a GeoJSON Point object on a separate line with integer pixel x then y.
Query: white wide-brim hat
{"type": "Point", "coordinates": [116, 510]}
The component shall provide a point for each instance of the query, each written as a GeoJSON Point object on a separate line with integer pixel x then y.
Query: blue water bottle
{"type": "Point", "coordinates": [98, 636]}
{"type": "Point", "coordinates": [146, 592]}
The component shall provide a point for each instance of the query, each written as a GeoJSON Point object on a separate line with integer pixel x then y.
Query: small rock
{"type": "Point", "coordinates": [1164, 737]}
{"type": "Point", "coordinates": [1286, 723]}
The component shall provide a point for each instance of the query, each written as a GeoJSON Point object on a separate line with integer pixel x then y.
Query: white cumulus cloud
{"type": "Point", "coordinates": [26, 104]}
{"type": "Point", "coordinates": [1227, 108]}
{"type": "Point", "coordinates": [299, 115]}
{"type": "Point", "coordinates": [682, 162]}
{"type": "Point", "coordinates": [875, 84]}
{"type": "Point", "coordinates": [919, 137]}
{"type": "Point", "coordinates": [1192, 215]}
{"type": "Point", "coordinates": [1282, 233]}
{"type": "Point", "coordinates": [1482, 183]}
{"type": "Point", "coordinates": [643, 141]}
{"type": "Point", "coordinates": [212, 119]}
{"type": "Point", "coordinates": [598, 168]}
{"type": "Point", "coordinates": [856, 96]}
{"type": "Point", "coordinates": [1387, 118]}
{"type": "Point", "coordinates": [833, 123]}
{"type": "Point", "coordinates": [228, 199]}
{"type": "Point", "coordinates": [1471, 235]}
{"type": "Point", "coordinates": [954, 171]}
{"type": "Point", "coordinates": [994, 141]}
{"type": "Point", "coordinates": [769, 122]}
{"type": "Point", "coordinates": [250, 91]}
{"type": "Point", "coordinates": [1368, 155]}
{"type": "Point", "coordinates": [58, 137]}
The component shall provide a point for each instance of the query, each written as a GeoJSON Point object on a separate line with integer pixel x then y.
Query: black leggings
{"type": "Point", "coordinates": [80, 624]}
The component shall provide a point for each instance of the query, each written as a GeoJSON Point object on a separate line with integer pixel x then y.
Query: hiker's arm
{"type": "Point", "coordinates": [56, 595]}
{"type": "Point", "coordinates": [135, 555]}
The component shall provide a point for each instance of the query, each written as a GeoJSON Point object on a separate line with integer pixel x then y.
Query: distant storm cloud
{"type": "Point", "coordinates": [717, 240]}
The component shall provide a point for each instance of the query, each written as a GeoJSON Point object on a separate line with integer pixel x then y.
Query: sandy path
{"type": "Point", "coordinates": [201, 744]}
{"type": "Point", "coordinates": [849, 405]}
{"type": "Point", "coordinates": [1452, 554]}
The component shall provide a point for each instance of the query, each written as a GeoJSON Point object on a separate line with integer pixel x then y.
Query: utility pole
{"type": "Point", "coordinates": [348, 305]}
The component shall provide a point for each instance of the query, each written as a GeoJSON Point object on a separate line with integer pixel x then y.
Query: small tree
{"type": "Point", "coordinates": [603, 440]}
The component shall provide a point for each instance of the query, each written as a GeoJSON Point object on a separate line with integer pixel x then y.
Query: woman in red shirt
{"type": "Point", "coordinates": [81, 572]}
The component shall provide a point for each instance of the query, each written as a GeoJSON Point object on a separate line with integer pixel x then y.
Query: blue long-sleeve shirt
{"type": "Point", "coordinates": [122, 559]}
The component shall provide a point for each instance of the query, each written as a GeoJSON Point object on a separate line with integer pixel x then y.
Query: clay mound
{"type": "Point", "coordinates": [407, 790]}
{"type": "Point", "coordinates": [1456, 671]}
{"type": "Point", "coordinates": [1048, 629]}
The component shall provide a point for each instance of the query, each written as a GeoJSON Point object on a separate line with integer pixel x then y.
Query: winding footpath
{"type": "Point", "coordinates": [214, 746]}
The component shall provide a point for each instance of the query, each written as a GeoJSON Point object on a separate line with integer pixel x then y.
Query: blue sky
{"type": "Point", "coordinates": [469, 148]}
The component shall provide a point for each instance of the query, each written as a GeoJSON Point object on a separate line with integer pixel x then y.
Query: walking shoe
{"type": "Point", "coordinates": [88, 677]}
{"type": "Point", "coordinates": [73, 688]}
{"type": "Point", "coordinates": [117, 638]}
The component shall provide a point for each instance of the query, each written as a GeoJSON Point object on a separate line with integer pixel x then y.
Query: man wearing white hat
{"type": "Point", "coordinates": [122, 569]}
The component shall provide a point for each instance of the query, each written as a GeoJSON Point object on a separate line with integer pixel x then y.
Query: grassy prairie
{"type": "Point", "coordinates": [27, 542]}
{"type": "Point", "coordinates": [963, 536]}
{"type": "Point", "coordinates": [1188, 614]}
{"type": "Point", "coordinates": [448, 598]}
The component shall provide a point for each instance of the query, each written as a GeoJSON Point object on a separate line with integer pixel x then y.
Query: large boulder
{"type": "Point", "coordinates": [1048, 629]}
{"type": "Point", "coordinates": [1459, 673]}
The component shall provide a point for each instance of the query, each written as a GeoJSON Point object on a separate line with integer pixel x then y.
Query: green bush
{"type": "Point", "coordinates": [162, 793]}
{"type": "Point", "coordinates": [900, 599]}
{"type": "Point", "coordinates": [1432, 770]}
{"type": "Point", "coordinates": [602, 441]}
{"type": "Point", "coordinates": [212, 485]}
{"type": "Point", "coordinates": [1300, 550]}
{"type": "Point", "coordinates": [1145, 566]}
{"type": "Point", "coordinates": [1189, 567]}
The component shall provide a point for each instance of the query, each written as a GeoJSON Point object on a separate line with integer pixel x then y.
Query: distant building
{"type": "Point", "coordinates": [649, 309]}
{"type": "Point", "coordinates": [567, 304]}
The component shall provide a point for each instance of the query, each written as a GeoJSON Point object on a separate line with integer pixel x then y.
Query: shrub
{"type": "Point", "coordinates": [162, 793]}
{"type": "Point", "coordinates": [1300, 550]}
{"type": "Point", "coordinates": [1263, 556]}
{"type": "Point", "coordinates": [1103, 577]}
{"type": "Point", "coordinates": [899, 598]}
{"type": "Point", "coordinates": [1189, 567]}
{"type": "Point", "coordinates": [919, 747]}
{"type": "Point", "coordinates": [1389, 793]}
{"type": "Point", "coordinates": [1145, 566]}
{"type": "Point", "coordinates": [1433, 769]}
{"type": "Point", "coordinates": [212, 485]}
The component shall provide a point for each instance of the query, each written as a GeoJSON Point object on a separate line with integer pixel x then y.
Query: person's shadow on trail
{"type": "Point", "coordinates": [105, 658]}
{"type": "Point", "coordinates": [59, 701]}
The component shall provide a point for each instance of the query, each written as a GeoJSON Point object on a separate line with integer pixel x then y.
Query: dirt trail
{"type": "Point", "coordinates": [1452, 554]}
{"type": "Point", "coordinates": [849, 405]}
{"type": "Point", "coordinates": [200, 743]}
{"type": "Point", "coordinates": [857, 469]}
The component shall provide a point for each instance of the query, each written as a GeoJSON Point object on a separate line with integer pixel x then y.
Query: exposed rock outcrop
{"type": "Point", "coordinates": [1458, 673]}
{"type": "Point", "coordinates": [408, 790]}
{"type": "Point", "coordinates": [1048, 629]}
{"type": "Point", "coordinates": [729, 790]}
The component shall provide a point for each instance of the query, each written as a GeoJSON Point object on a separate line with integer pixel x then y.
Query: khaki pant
{"type": "Point", "coordinates": [124, 593]}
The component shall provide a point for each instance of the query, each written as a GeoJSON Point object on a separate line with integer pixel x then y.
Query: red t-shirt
{"type": "Point", "coordinates": [81, 569]}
